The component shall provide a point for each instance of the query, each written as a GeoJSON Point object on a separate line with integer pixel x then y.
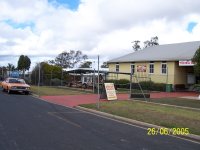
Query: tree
{"type": "Point", "coordinates": [3, 72]}
{"type": "Point", "coordinates": [69, 59]}
{"type": "Point", "coordinates": [24, 63]}
{"type": "Point", "coordinates": [136, 45]}
{"type": "Point", "coordinates": [48, 72]}
{"type": "Point", "coordinates": [196, 61]}
{"type": "Point", "coordinates": [148, 43]}
{"type": "Point", "coordinates": [152, 42]}
{"type": "Point", "coordinates": [104, 65]}
{"type": "Point", "coordinates": [51, 62]}
{"type": "Point", "coordinates": [27, 62]}
{"type": "Point", "coordinates": [86, 64]}
{"type": "Point", "coordinates": [10, 68]}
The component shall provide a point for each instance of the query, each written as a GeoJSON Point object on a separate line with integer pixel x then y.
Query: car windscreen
{"type": "Point", "coordinates": [16, 81]}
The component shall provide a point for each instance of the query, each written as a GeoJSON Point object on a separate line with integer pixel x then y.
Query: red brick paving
{"type": "Point", "coordinates": [74, 100]}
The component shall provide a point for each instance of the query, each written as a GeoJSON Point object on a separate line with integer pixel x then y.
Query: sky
{"type": "Point", "coordinates": [41, 29]}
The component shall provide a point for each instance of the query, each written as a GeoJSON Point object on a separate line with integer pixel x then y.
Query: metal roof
{"type": "Point", "coordinates": [168, 52]}
{"type": "Point", "coordinates": [85, 70]}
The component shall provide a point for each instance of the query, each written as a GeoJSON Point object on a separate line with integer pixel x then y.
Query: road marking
{"type": "Point", "coordinates": [56, 114]}
{"type": "Point", "coordinates": [72, 112]}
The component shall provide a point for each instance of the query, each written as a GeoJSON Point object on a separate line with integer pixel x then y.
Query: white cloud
{"type": "Point", "coordinates": [105, 27]}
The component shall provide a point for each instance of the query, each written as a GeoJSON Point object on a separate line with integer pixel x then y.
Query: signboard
{"type": "Point", "coordinates": [186, 63]}
{"type": "Point", "coordinates": [110, 91]}
{"type": "Point", "coordinates": [141, 68]}
{"type": "Point", "coordinates": [14, 74]}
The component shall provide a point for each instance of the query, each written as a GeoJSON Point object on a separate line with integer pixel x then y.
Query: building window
{"type": "Point", "coordinates": [132, 68]}
{"type": "Point", "coordinates": [151, 67]}
{"type": "Point", "coordinates": [164, 68]}
{"type": "Point", "coordinates": [117, 67]}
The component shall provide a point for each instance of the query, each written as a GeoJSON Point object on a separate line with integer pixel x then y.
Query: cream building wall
{"type": "Point", "coordinates": [180, 74]}
{"type": "Point", "coordinates": [171, 77]}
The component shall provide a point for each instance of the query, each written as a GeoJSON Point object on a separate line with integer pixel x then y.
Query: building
{"type": "Point", "coordinates": [85, 77]}
{"type": "Point", "coordinates": [170, 64]}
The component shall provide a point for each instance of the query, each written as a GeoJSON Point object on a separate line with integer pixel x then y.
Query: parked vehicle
{"type": "Point", "coordinates": [15, 84]}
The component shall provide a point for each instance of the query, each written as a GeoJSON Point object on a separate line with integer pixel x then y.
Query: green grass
{"type": "Point", "coordinates": [46, 90]}
{"type": "Point", "coordinates": [166, 116]}
{"type": "Point", "coordinates": [178, 101]}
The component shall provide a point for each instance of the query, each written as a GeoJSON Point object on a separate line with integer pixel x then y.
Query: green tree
{"type": "Point", "coordinates": [86, 64]}
{"type": "Point", "coordinates": [136, 45]}
{"type": "Point", "coordinates": [70, 59]}
{"type": "Point", "coordinates": [152, 42]}
{"type": "Point", "coordinates": [47, 73]}
{"type": "Point", "coordinates": [3, 72]}
{"type": "Point", "coordinates": [196, 61]}
{"type": "Point", "coordinates": [27, 62]}
{"type": "Point", "coordinates": [10, 68]}
{"type": "Point", "coordinates": [104, 65]}
{"type": "Point", "coordinates": [24, 63]}
{"type": "Point", "coordinates": [148, 43]}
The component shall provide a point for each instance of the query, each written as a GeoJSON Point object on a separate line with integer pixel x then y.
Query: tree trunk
{"type": "Point", "coordinates": [24, 73]}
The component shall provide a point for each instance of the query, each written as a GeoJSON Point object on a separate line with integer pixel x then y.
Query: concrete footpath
{"type": "Point", "coordinates": [190, 137]}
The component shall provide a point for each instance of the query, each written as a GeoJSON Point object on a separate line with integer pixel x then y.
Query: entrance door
{"type": "Point", "coordinates": [191, 79]}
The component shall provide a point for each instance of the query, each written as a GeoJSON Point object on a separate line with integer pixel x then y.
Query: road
{"type": "Point", "coordinates": [27, 123]}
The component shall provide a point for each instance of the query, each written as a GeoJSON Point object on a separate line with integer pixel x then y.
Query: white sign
{"type": "Point", "coordinates": [110, 91]}
{"type": "Point", "coordinates": [186, 63]}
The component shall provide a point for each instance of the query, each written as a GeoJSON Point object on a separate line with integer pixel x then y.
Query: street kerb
{"type": "Point", "coordinates": [144, 125]}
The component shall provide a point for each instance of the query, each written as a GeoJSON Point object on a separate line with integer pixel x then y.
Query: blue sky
{"type": "Point", "coordinates": [42, 29]}
{"type": "Point", "coordinates": [71, 4]}
{"type": "Point", "coordinates": [21, 25]}
{"type": "Point", "coordinates": [191, 26]}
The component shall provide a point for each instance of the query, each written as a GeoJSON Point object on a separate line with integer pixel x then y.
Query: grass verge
{"type": "Point", "coordinates": [48, 91]}
{"type": "Point", "coordinates": [178, 101]}
{"type": "Point", "coordinates": [166, 116]}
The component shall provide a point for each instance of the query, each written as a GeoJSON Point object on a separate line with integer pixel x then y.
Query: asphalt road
{"type": "Point", "coordinates": [27, 123]}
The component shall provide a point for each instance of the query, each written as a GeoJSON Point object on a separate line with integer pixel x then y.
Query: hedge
{"type": "Point", "coordinates": [146, 85]}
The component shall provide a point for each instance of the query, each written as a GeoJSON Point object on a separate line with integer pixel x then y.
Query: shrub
{"type": "Point", "coordinates": [158, 87]}
{"type": "Point", "coordinates": [197, 87]}
{"type": "Point", "coordinates": [122, 83]}
{"type": "Point", "coordinates": [148, 85]}
{"type": "Point", "coordinates": [55, 82]}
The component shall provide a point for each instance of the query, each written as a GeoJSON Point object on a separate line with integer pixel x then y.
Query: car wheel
{"type": "Point", "coordinates": [9, 91]}
{"type": "Point", "coordinates": [26, 93]}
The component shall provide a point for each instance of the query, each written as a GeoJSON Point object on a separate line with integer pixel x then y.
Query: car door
{"type": "Point", "coordinates": [4, 84]}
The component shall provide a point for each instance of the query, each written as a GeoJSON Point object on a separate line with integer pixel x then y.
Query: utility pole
{"type": "Point", "coordinates": [94, 77]}
{"type": "Point", "coordinates": [51, 77]}
{"type": "Point", "coordinates": [39, 80]}
{"type": "Point", "coordinates": [61, 71]}
{"type": "Point", "coordinates": [98, 85]}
